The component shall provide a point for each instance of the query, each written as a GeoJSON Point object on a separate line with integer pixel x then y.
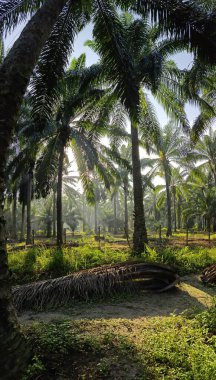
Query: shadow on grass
{"type": "Point", "coordinates": [61, 350]}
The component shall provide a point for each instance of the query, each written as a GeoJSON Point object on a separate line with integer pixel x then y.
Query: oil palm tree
{"type": "Point", "coordinates": [201, 197]}
{"type": "Point", "coordinates": [132, 56]}
{"type": "Point", "coordinates": [125, 184]}
{"type": "Point", "coordinates": [178, 189]}
{"type": "Point", "coordinates": [200, 87]}
{"type": "Point", "coordinates": [80, 117]}
{"type": "Point", "coordinates": [167, 148]}
{"type": "Point", "coordinates": [173, 18]}
{"type": "Point", "coordinates": [205, 152]}
{"type": "Point", "coordinates": [15, 73]}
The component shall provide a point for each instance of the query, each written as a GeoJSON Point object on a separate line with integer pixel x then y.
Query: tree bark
{"type": "Point", "coordinates": [49, 227]}
{"type": "Point", "coordinates": [96, 217]}
{"type": "Point", "coordinates": [115, 213]}
{"type": "Point", "coordinates": [54, 214]}
{"type": "Point", "coordinates": [179, 213]}
{"type": "Point", "coordinates": [14, 215]}
{"type": "Point", "coordinates": [174, 209]}
{"type": "Point", "coordinates": [168, 200]}
{"type": "Point", "coordinates": [22, 237]}
{"type": "Point", "coordinates": [15, 73]}
{"type": "Point", "coordinates": [59, 197]}
{"type": "Point", "coordinates": [126, 211]}
{"type": "Point", "coordinates": [84, 212]}
{"type": "Point", "coordinates": [29, 196]}
{"type": "Point", "coordinates": [209, 229]}
{"type": "Point", "coordinates": [140, 233]}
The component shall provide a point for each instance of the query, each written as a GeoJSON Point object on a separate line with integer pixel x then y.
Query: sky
{"type": "Point", "coordinates": [183, 60]}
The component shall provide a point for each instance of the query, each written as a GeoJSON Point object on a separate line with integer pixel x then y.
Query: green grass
{"type": "Point", "coordinates": [181, 235]}
{"type": "Point", "coordinates": [185, 260]}
{"type": "Point", "coordinates": [171, 348]}
{"type": "Point", "coordinates": [34, 263]}
{"type": "Point", "coordinates": [38, 263]}
{"type": "Point", "coordinates": [157, 348]}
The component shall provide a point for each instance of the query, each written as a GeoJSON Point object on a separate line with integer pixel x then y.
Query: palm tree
{"type": "Point", "coordinates": [20, 169]}
{"type": "Point", "coordinates": [15, 73]}
{"type": "Point", "coordinates": [178, 187]}
{"type": "Point", "coordinates": [125, 181]}
{"type": "Point", "coordinates": [132, 56]}
{"type": "Point", "coordinates": [199, 87]}
{"type": "Point", "coordinates": [79, 120]}
{"type": "Point", "coordinates": [205, 152]}
{"type": "Point", "coordinates": [201, 197]}
{"type": "Point", "coordinates": [167, 144]}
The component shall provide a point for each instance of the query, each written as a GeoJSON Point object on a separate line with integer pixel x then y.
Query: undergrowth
{"type": "Point", "coordinates": [171, 348]}
{"type": "Point", "coordinates": [40, 263]}
{"type": "Point", "coordinates": [36, 263]}
{"type": "Point", "coordinates": [184, 260]}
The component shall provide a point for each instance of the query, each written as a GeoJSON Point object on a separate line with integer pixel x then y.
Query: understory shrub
{"type": "Point", "coordinates": [171, 348]}
{"type": "Point", "coordinates": [185, 260]}
{"type": "Point", "coordinates": [31, 264]}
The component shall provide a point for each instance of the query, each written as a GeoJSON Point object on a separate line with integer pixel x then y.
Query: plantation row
{"type": "Point", "coordinates": [82, 149]}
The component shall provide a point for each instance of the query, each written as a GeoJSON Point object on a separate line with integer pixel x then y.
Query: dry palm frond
{"type": "Point", "coordinates": [98, 282]}
{"type": "Point", "coordinates": [209, 275]}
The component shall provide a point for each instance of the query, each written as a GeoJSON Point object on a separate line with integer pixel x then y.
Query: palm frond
{"type": "Point", "coordinates": [13, 12]}
{"type": "Point", "coordinates": [53, 61]}
{"type": "Point", "coordinates": [201, 124]}
{"type": "Point", "coordinates": [97, 282]}
{"type": "Point", "coordinates": [149, 127]}
{"type": "Point", "coordinates": [184, 20]}
{"type": "Point", "coordinates": [110, 38]}
{"type": "Point", "coordinates": [46, 168]}
{"type": "Point", "coordinates": [173, 106]}
{"type": "Point", "coordinates": [2, 53]}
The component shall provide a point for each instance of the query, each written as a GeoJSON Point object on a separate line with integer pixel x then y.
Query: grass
{"type": "Point", "coordinates": [179, 347]}
{"type": "Point", "coordinates": [36, 263]}
{"type": "Point", "coordinates": [185, 260]}
{"type": "Point", "coordinates": [171, 348]}
{"type": "Point", "coordinates": [40, 263]}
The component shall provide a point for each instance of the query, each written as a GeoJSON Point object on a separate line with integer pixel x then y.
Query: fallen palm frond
{"type": "Point", "coordinates": [209, 275]}
{"type": "Point", "coordinates": [98, 282]}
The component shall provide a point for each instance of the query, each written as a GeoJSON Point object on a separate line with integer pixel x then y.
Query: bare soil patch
{"type": "Point", "coordinates": [190, 296]}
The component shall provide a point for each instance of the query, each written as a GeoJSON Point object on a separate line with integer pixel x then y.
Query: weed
{"type": "Point", "coordinates": [167, 348]}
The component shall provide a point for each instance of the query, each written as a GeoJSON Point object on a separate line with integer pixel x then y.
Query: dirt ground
{"type": "Point", "coordinates": [189, 296]}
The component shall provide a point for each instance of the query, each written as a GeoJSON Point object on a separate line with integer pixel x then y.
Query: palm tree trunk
{"type": "Point", "coordinates": [156, 211]}
{"type": "Point", "coordinates": [115, 213]}
{"type": "Point", "coordinates": [14, 215]}
{"type": "Point", "coordinates": [15, 73]}
{"type": "Point", "coordinates": [179, 213]}
{"type": "Point", "coordinates": [54, 214]}
{"type": "Point", "coordinates": [126, 211]}
{"type": "Point", "coordinates": [209, 229]}
{"type": "Point", "coordinates": [84, 212]}
{"type": "Point", "coordinates": [29, 196]}
{"type": "Point", "coordinates": [168, 199]}
{"type": "Point", "coordinates": [174, 209]}
{"type": "Point", "coordinates": [59, 197]}
{"type": "Point", "coordinates": [140, 233]}
{"type": "Point", "coordinates": [96, 217]}
{"type": "Point", "coordinates": [49, 227]}
{"type": "Point", "coordinates": [22, 237]}
{"type": "Point", "coordinates": [214, 224]}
